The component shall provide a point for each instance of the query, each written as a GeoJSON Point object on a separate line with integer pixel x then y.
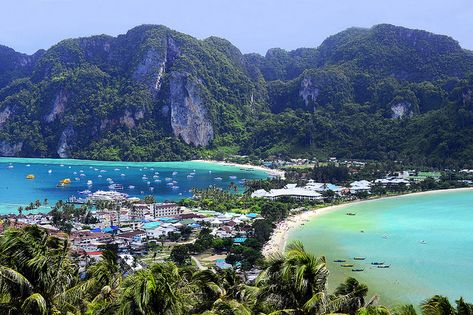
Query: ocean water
{"type": "Point", "coordinates": [16, 190]}
{"type": "Point", "coordinates": [427, 239]}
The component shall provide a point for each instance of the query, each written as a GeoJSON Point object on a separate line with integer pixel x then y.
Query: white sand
{"type": "Point", "coordinates": [273, 172]}
{"type": "Point", "coordinates": [278, 240]}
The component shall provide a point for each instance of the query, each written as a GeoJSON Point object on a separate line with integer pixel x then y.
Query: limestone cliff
{"type": "Point", "coordinates": [189, 117]}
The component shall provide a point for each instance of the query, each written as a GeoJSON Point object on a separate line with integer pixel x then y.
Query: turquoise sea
{"type": "Point", "coordinates": [427, 239]}
{"type": "Point", "coordinates": [164, 180]}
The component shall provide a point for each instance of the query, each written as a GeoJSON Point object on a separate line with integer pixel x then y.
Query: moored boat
{"type": "Point", "coordinates": [347, 265]}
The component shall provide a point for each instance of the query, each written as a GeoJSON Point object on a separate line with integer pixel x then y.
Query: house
{"type": "Point", "coordinates": [133, 236]}
{"type": "Point", "coordinates": [360, 186]}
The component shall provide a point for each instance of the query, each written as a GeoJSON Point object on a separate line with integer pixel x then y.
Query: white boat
{"type": "Point", "coordinates": [175, 187]}
{"type": "Point", "coordinates": [168, 179]}
{"type": "Point", "coordinates": [151, 188]}
{"type": "Point", "coordinates": [190, 176]}
{"type": "Point", "coordinates": [117, 169]}
{"type": "Point", "coordinates": [99, 176]}
{"type": "Point", "coordinates": [232, 177]}
{"type": "Point", "coordinates": [89, 183]}
{"type": "Point", "coordinates": [82, 174]}
{"type": "Point", "coordinates": [170, 184]}
{"type": "Point", "coordinates": [131, 187]}
{"type": "Point", "coordinates": [116, 187]}
{"type": "Point", "coordinates": [50, 171]}
{"type": "Point", "coordinates": [218, 178]}
{"type": "Point", "coordinates": [157, 181]}
{"type": "Point", "coordinates": [122, 175]}
{"type": "Point", "coordinates": [28, 165]}
{"type": "Point", "coordinates": [10, 166]}
{"type": "Point", "coordinates": [174, 173]}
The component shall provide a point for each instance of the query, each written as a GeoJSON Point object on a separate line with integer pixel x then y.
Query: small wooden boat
{"type": "Point", "coordinates": [384, 266]}
{"type": "Point", "coordinates": [359, 258]}
{"type": "Point", "coordinates": [351, 213]}
{"type": "Point", "coordinates": [358, 270]}
{"type": "Point", "coordinates": [30, 176]}
{"type": "Point", "coordinates": [377, 263]}
{"type": "Point", "coordinates": [339, 260]}
{"type": "Point", "coordinates": [346, 265]}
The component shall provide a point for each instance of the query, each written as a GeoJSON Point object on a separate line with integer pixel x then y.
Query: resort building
{"type": "Point", "coordinates": [161, 210]}
{"type": "Point", "coordinates": [289, 191]}
{"type": "Point", "coordinates": [360, 186]}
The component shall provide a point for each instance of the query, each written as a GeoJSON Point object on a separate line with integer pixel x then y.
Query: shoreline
{"type": "Point", "coordinates": [270, 171]}
{"type": "Point", "coordinates": [280, 235]}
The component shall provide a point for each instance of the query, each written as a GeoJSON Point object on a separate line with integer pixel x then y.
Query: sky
{"type": "Point", "coordinates": [251, 25]}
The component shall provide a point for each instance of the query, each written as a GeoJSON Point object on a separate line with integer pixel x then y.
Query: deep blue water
{"type": "Point", "coordinates": [16, 190]}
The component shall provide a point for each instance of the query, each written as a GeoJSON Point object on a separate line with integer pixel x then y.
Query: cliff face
{"type": "Point", "coordinates": [189, 116]}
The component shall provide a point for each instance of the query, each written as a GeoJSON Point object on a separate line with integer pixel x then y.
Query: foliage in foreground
{"type": "Point", "coordinates": [38, 275]}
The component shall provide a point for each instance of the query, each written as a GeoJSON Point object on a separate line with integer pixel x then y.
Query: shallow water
{"type": "Point", "coordinates": [427, 239]}
{"type": "Point", "coordinates": [16, 190]}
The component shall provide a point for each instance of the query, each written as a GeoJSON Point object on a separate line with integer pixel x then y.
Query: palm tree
{"type": "Point", "coordinates": [359, 291]}
{"type": "Point", "coordinates": [20, 210]}
{"type": "Point", "coordinates": [154, 291]}
{"type": "Point", "coordinates": [440, 305]}
{"type": "Point", "coordinates": [35, 271]}
{"type": "Point", "coordinates": [296, 283]}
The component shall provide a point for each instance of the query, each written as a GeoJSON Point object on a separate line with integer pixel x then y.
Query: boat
{"type": "Point", "coordinates": [359, 258]}
{"type": "Point", "coordinates": [89, 183]}
{"type": "Point", "coordinates": [351, 213]}
{"type": "Point", "coordinates": [232, 177]}
{"type": "Point", "coordinates": [82, 174]}
{"type": "Point", "coordinates": [10, 166]}
{"type": "Point", "coordinates": [376, 263]}
{"type": "Point", "coordinates": [85, 192]}
{"type": "Point", "coordinates": [168, 179]}
{"type": "Point", "coordinates": [50, 171]}
{"type": "Point", "coordinates": [65, 181]}
{"type": "Point", "coordinates": [30, 176]}
{"type": "Point", "coordinates": [357, 270]}
{"type": "Point", "coordinates": [77, 179]}
{"type": "Point", "coordinates": [339, 260]}
{"type": "Point", "coordinates": [99, 176]}
{"type": "Point", "coordinates": [122, 175]}
{"type": "Point", "coordinates": [218, 178]}
{"type": "Point", "coordinates": [131, 187]}
{"type": "Point", "coordinates": [384, 266]}
{"type": "Point", "coordinates": [116, 187]}
{"type": "Point", "coordinates": [423, 242]}
{"type": "Point", "coordinates": [175, 187]}
{"type": "Point", "coordinates": [157, 180]}
{"type": "Point", "coordinates": [174, 173]}
{"type": "Point", "coordinates": [190, 176]}
{"type": "Point", "coordinates": [346, 265]}
{"type": "Point", "coordinates": [28, 165]}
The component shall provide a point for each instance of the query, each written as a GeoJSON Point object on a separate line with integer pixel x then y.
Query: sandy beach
{"type": "Point", "coordinates": [270, 171]}
{"type": "Point", "coordinates": [280, 235]}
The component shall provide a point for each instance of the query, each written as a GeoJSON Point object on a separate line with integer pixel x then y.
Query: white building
{"type": "Point", "coordinates": [161, 210]}
{"type": "Point", "coordinates": [289, 191]}
{"type": "Point", "coordinates": [360, 186]}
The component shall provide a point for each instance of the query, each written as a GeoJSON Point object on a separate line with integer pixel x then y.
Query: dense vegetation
{"type": "Point", "coordinates": [38, 275]}
{"type": "Point", "coordinates": [384, 93]}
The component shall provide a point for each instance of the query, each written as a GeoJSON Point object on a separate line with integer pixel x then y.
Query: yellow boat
{"type": "Point", "coordinates": [30, 176]}
{"type": "Point", "coordinates": [346, 265]}
{"type": "Point", "coordinates": [65, 181]}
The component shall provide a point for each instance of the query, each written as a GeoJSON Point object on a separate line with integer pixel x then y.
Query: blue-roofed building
{"type": "Point", "coordinates": [96, 230]}
{"type": "Point", "coordinates": [220, 263]}
{"type": "Point", "coordinates": [239, 240]}
{"type": "Point", "coordinates": [251, 215]}
{"type": "Point", "coordinates": [151, 225]}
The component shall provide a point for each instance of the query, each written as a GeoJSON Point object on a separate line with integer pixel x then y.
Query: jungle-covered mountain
{"type": "Point", "coordinates": [383, 93]}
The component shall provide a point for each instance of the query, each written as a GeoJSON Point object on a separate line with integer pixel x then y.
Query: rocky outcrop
{"type": "Point", "coordinates": [4, 115]}
{"type": "Point", "coordinates": [401, 110]}
{"type": "Point", "coordinates": [65, 142]}
{"type": "Point", "coordinates": [156, 61]}
{"type": "Point", "coordinates": [59, 107]}
{"type": "Point", "coordinates": [308, 91]}
{"type": "Point", "coordinates": [10, 149]}
{"type": "Point", "coordinates": [189, 116]}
